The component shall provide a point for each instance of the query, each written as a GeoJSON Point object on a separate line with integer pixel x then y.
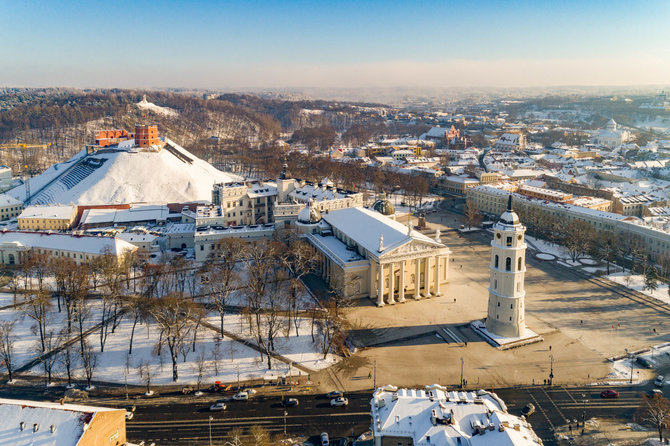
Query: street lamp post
{"type": "Point", "coordinates": [210, 430]}
{"type": "Point", "coordinates": [551, 370]}
{"type": "Point", "coordinates": [374, 381]}
{"type": "Point", "coordinates": [630, 356]}
{"type": "Point", "coordinates": [584, 410]}
{"type": "Point", "coordinates": [461, 372]}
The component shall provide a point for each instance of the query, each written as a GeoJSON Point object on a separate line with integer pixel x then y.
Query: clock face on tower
{"type": "Point", "coordinates": [498, 235]}
{"type": "Point", "coordinates": [518, 237]}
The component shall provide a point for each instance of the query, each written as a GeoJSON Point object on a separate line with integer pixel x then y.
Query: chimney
{"type": "Point", "coordinates": [22, 425]}
{"type": "Point", "coordinates": [53, 428]}
{"type": "Point", "coordinates": [36, 427]}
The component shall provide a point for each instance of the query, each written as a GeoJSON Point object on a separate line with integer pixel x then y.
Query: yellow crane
{"type": "Point", "coordinates": [25, 171]}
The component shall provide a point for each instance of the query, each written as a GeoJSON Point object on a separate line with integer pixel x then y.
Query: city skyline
{"type": "Point", "coordinates": [334, 45]}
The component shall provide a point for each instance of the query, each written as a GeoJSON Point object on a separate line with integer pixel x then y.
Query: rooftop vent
{"type": "Point", "coordinates": [22, 425]}
{"type": "Point", "coordinates": [53, 428]}
{"type": "Point", "coordinates": [36, 427]}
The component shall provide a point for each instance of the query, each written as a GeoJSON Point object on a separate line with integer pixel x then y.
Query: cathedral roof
{"type": "Point", "coordinates": [383, 205]}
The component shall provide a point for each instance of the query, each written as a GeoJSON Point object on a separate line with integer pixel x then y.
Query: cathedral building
{"type": "Point", "coordinates": [363, 253]}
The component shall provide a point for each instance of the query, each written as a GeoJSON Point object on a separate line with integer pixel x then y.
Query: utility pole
{"type": "Point", "coordinates": [551, 370]}
{"type": "Point", "coordinates": [584, 409]}
{"type": "Point", "coordinates": [374, 381]}
{"type": "Point", "coordinates": [461, 372]}
{"type": "Point", "coordinates": [238, 376]}
{"type": "Point", "coordinates": [285, 413]}
{"type": "Point", "coordinates": [210, 430]}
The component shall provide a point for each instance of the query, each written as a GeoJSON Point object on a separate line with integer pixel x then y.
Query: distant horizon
{"type": "Point", "coordinates": [216, 45]}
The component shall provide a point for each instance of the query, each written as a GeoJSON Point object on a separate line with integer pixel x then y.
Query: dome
{"type": "Point", "coordinates": [509, 217]}
{"type": "Point", "coordinates": [309, 215]}
{"type": "Point", "coordinates": [383, 206]}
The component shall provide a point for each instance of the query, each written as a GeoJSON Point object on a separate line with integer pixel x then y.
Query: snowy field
{"type": "Point", "coordinates": [547, 247]}
{"type": "Point", "coordinates": [232, 355]}
{"type": "Point", "coordinates": [636, 282]}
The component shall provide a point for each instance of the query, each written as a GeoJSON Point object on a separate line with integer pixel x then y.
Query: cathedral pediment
{"type": "Point", "coordinates": [412, 248]}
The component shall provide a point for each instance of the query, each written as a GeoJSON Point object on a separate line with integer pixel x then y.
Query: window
{"type": "Point", "coordinates": [511, 306]}
{"type": "Point", "coordinates": [498, 303]}
{"type": "Point", "coordinates": [496, 260]}
{"type": "Point", "coordinates": [519, 264]}
{"type": "Point", "coordinates": [509, 241]}
{"type": "Point", "coordinates": [508, 264]}
{"type": "Point", "coordinates": [495, 284]}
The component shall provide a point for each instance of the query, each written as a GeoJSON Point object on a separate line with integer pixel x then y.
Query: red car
{"type": "Point", "coordinates": [609, 394]}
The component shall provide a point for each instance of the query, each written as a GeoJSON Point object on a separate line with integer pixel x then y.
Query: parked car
{"type": "Point", "coordinates": [217, 407]}
{"type": "Point", "coordinates": [609, 393]}
{"type": "Point", "coordinates": [187, 390]}
{"type": "Point", "coordinates": [324, 439]}
{"type": "Point", "coordinates": [241, 396]}
{"type": "Point", "coordinates": [644, 362]}
{"type": "Point", "coordinates": [129, 415]}
{"type": "Point", "coordinates": [528, 410]}
{"type": "Point", "coordinates": [339, 401]}
{"type": "Point", "coordinates": [290, 402]}
{"type": "Point", "coordinates": [660, 380]}
{"type": "Point", "coordinates": [334, 394]}
{"type": "Point", "coordinates": [653, 393]}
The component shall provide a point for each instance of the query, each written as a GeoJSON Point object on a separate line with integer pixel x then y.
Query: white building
{"type": "Point", "coordinates": [236, 203]}
{"type": "Point", "coordinates": [5, 178]}
{"type": "Point", "coordinates": [436, 417]}
{"type": "Point", "coordinates": [508, 267]}
{"type": "Point", "coordinates": [368, 254]}
{"type": "Point", "coordinates": [611, 136]}
{"type": "Point", "coordinates": [10, 207]}
{"type": "Point", "coordinates": [15, 246]}
{"type": "Point", "coordinates": [509, 142]}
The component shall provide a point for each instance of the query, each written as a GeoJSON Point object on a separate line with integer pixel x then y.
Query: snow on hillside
{"type": "Point", "coordinates": [150, 106]}
{"type": "Point", "coordinates": [129, 177]}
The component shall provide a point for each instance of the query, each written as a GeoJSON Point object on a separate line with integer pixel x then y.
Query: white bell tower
{"type": "Point", "coordinates": [508, 266]}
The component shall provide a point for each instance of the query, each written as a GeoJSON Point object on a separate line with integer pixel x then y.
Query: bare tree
{"type": "Point", "coordinates": [216, 353]}
{"type": "Point", "coordinates": [7, 340]}
{"type": "Point", "coordinates": [222, 275]}
{"type": "Point", "coordinates": [135, 305]}
{"type": "Point", "coordinates": [471, 216]}
{"type": "Point", "coordinates": [654, 411]}
{"type": "Point", "coordinates": [298, 259]}
{"type": "Point", "coordinates": [577, 238]}
{"type": "Point", "coordinates": [45, 348]}
{"type": "Point", "coordinates": [66, 359]}
{"type": "Point", "coordinates": [89, 359]}
{"type": "Point", "coordinates": [145, 371]}
{"type": "Point", "coordinates": [173, 315]}
{"type": "Point", "coordinates": [37, 308]}
{"type": "Point", "coordinates": [200, 367]}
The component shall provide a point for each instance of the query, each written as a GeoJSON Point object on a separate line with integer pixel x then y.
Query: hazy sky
{"type": "Point", "coordinates": [274, 44]}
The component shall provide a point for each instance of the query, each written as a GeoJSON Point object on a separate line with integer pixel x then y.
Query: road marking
{"type": "Point", "coordinates": [569, 394]}
{"type": "Point", "coordinates": [554, 404]}
{"type": "Point", "coordinates": [541, 410]}
{"type": "Point", "coordinates": [269, 418]}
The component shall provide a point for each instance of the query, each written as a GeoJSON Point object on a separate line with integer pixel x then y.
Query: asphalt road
{"type": "Point", "coordinates": [188, 422]}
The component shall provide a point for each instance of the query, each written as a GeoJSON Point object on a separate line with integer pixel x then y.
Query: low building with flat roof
{"type": "Point", "coordinates": [435, 416]}
{"type": "Point", "coordinates": [41, 218]}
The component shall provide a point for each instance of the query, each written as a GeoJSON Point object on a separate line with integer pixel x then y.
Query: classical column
{"type": "Point", "coordinates": [426, 278]}
{"type": "Point", "coordinates": [417, 278]}
{"type": "Point", "coordinates": [391, 282]}
{"type": "Point", "coordinates": [401, 289]}
{"type": "Point", "coordinates": [437, 276]}
{"type": "Point", "coordinates": [371, 284]}
{"type": "Point", "coordinates": [380, 287]}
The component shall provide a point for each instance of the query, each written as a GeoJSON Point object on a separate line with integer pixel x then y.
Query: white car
{"type": "Point", "coordinates": [241, 396]}
{"type": "Point", "coordinates": [659, 381]}
{"type": "Point", "coordinates": [217, 407]}
{"type": "Point", "coordinates": [339, 401]}
{"type": "Point", "coordinates": [129, 415]}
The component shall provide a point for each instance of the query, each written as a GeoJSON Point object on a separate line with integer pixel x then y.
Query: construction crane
{"type": "Point", "coordinates": [25, 171]}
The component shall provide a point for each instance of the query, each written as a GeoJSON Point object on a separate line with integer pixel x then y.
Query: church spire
{"type": "Point", "coordinates": [509, 202]}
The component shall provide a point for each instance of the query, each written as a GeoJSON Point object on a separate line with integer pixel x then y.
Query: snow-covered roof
{"type": "Point", "coordinates": [65, 242]}
{"type": "Point", "coordinates": [8, 200]}
{"type": "Point", "coordinates": [69, 421]}
{"type": "Point", "coordinates": [157, 212]}
{"type": "Point", "coordinates": [436, 132]}
{"type": "Point", "coordinates": [436, 417]}
{"type": "Point", "coordinates": [59, 212]}
{"type": "Point", "coordinates": [365, 226]}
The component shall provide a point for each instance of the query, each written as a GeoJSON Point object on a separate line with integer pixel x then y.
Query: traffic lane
{"type": "Point", "coordinates": [257, 406]}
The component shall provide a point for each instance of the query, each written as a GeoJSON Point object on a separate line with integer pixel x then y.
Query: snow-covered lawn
{"type": "Point", "coordinates": [658, 356]}
{"type": "Point", "coordinates": [548, 247]}
{"type": "Point", "coordinates": [636, 282]}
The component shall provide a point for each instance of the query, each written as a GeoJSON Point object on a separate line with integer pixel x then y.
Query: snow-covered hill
{"type": "Point", "coordinates": [126, 176]}
{"type": "Point", "coordinates": [165, 111]}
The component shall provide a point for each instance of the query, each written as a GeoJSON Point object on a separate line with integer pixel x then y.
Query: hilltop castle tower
{"type": "Point", "coordinates": [508, 267]}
